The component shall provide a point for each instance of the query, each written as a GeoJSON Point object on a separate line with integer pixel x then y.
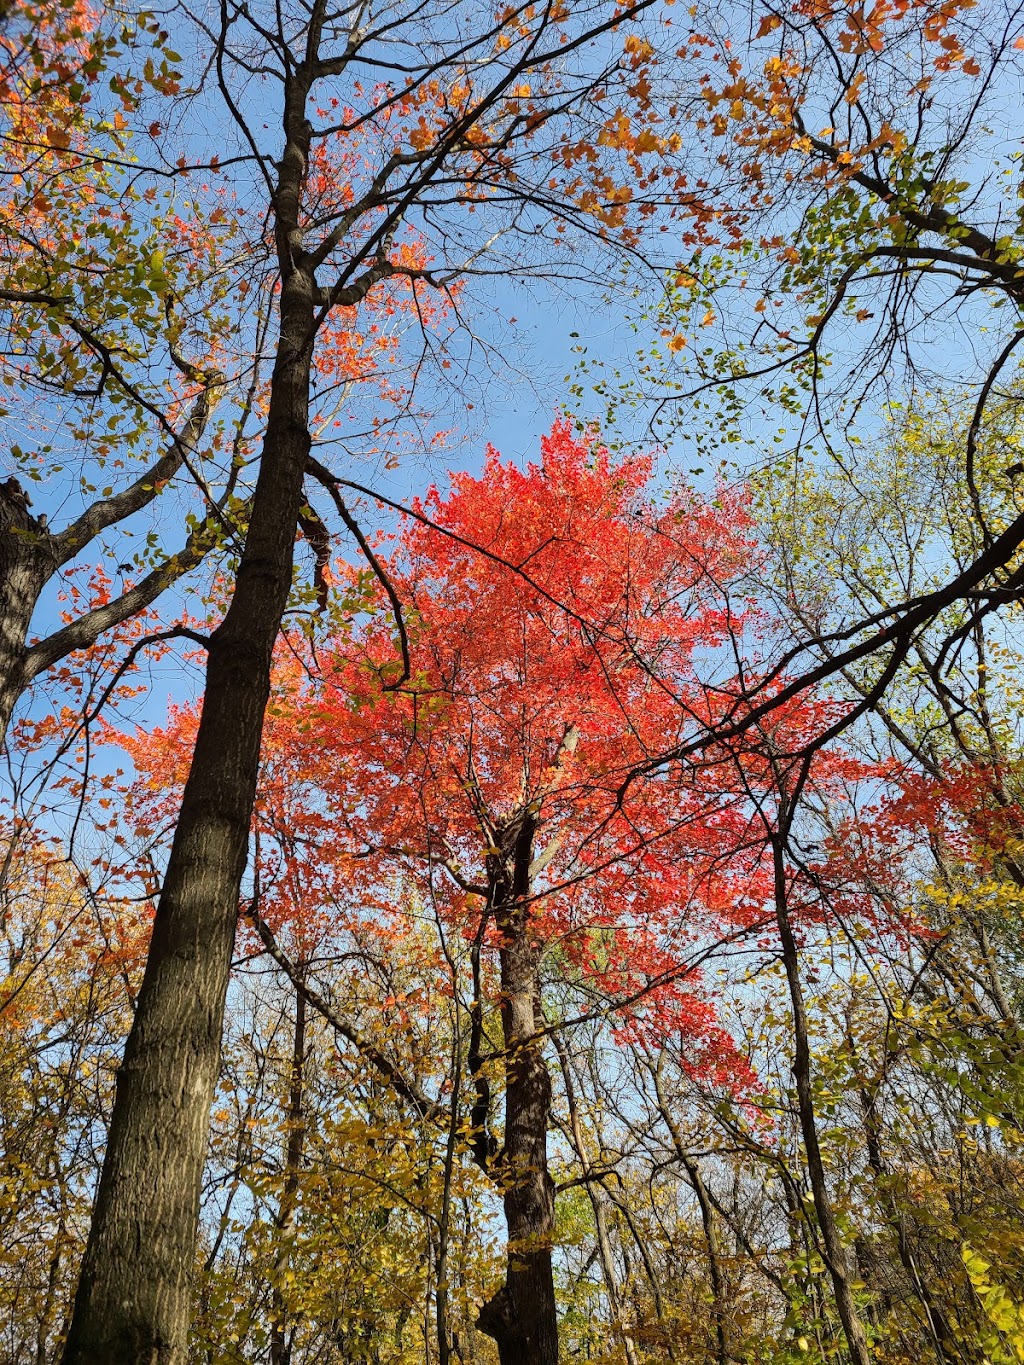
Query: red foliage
{"type": "Point", "coordinates": [590, 630]}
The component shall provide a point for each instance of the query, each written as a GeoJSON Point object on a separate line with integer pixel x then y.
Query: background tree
{"type": "Point", "coordinates": [67, 977]}
{"type": "Point", "coordinates": [866, 253]}
{"type": "Point", "coordinates": [110, 383]}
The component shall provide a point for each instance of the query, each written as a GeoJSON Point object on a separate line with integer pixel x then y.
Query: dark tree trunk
{"type": "Point", "coordinates": [833, 1251]}
{"type": "Point", "coordinates": [28, 558]}
{"type": "Point", "coordinates": [280, 1346]}
{"type": "Point", "coordinates": [521, 1317]}
{"type": "Point", "coordinates": [134, 1298]}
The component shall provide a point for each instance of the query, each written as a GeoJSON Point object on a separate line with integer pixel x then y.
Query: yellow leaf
{"type": "Point", "coordinates": [639, 47]}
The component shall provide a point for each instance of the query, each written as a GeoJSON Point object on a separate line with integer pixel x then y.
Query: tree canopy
{"type": "Point", "coordinates": [566, 908]}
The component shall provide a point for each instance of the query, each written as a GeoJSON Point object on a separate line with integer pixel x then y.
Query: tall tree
{"type": "Point", "coordinates": [469, 139]}
{"type": "Point", "coordinates": [488, 773]}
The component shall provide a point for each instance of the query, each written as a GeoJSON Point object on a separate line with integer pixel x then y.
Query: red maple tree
{"type": "Point", "coordinates": [560, 627]}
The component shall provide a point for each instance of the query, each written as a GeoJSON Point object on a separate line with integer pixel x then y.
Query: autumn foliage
{"type": "Point", "coordinates": [543, 666]}
{"type": "Point", "coordinates": [573, 913]}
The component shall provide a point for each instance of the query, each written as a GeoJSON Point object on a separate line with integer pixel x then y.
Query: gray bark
{"type": "Point", "coordinates": [134, 1297]}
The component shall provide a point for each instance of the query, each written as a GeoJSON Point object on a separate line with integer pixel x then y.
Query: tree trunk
{"type": "Point", "coordinates": [27, 560]}
{"type": "Point", "coordinates": [599, 1203]}
{"type": "Point", "coordinates": [521, 1317]}
{"type": "Point", "coordinates": [134, 1298]}
{"type": "Point", "coordinates": [280, 1347]}
{"type": "Point", "coordinates": [709, 1222]}
{"type": "Point", "coordinates": [833, 1250]}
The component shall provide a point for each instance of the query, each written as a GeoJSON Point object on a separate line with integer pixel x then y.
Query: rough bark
{"type": "Point", "coordinates": [521, 1317]}
{"type": "Point", "coordinates": [134, 1297]}
{"type": "Point", "coordinates": [28, 558]}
